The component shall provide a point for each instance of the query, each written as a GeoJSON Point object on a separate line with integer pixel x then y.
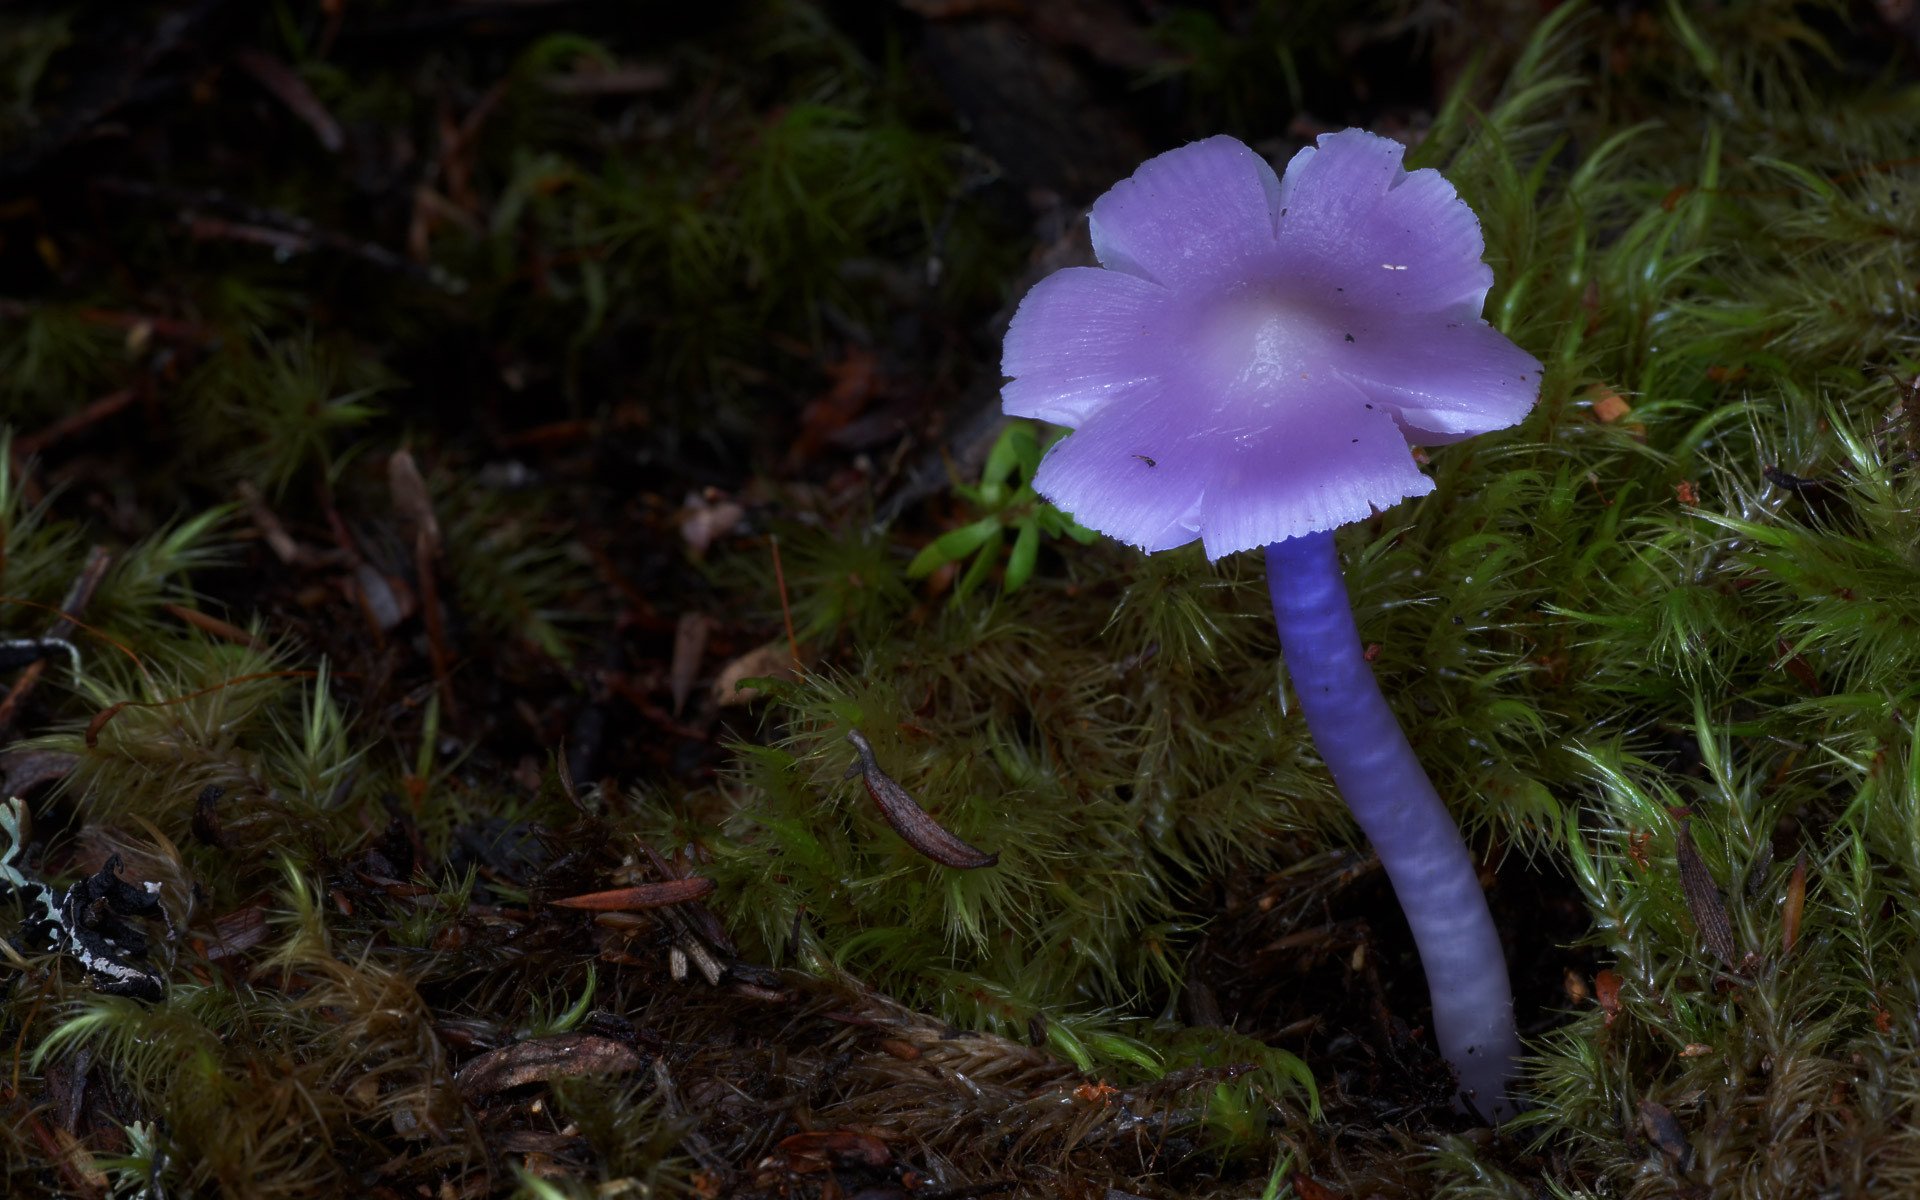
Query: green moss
{"type": "Point", "coordinates": [273, 408]}
{"type": "Point", "coordinates": [1574, 593]}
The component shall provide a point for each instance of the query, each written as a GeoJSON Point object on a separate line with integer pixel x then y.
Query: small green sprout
{"type": "Point", "coordinates": [1007, 501]}
{"type": "Point", "coordinates": [545, 1021]}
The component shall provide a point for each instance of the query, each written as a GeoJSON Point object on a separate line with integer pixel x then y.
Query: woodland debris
{"type": "Point", "coordinates": [690, 634]}
{"type": "Point", "coordinates": [771, 661]}
{"type": "Point", "coordinates": [1703, 898]}
{"type": "Point", "coordinates": [1794, 905]}
{"type": "Point", "coordinates": [23, 770]}
{"type": "Point", "coordinates": [642, 895]}
{"type": "Point", "coordinates": [1663, 1130]}
{"type": "Point", "coordinates": [539, 1060]}
{"type": "Point", "coordinates": [706, 516]}
{"type": "Point", "coordinates": [908, 819]}
{"type": "Point", "coordinates": [291, 90]}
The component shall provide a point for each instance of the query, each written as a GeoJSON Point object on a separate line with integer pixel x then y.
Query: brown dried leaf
{"type": "Point", "coordinates": [1609, 406]}
{"type": "Point", "coordinates": [65, 1080]}
{"type": "Point", "coordinates": [1658, 1123]}
{"type": "Point", "coordinates": [540, 1059]}
{"type": "Point", "coordinates": [809, 1152]}
{"type": "Point", "coordinates": [1606, 990]}
{"type": "Point", "coordinates": [1703, 898]}
{"type": "Point", "coordinates": [410, 497]}
{"type": "Point", "coordinates": [237, 932]}
{"type": "Point", "coordinates": [856, 380]}
{"type": "Point", "coordinates": [386, 599]}
{"type": "Point", "coordinates": [534, 1141]}
{"type": "Point", "coordinates": [77, 1166]}
{"type": "Point", "coordinates": [1310, 1188]}
{"type": "Point", "coordinates": [908, 819]}
{"type": "Point", "coordinates": [277, 538]}
{"type": "Point", "coordinates": [619, 79]}
{"type": "Point", "coordinates": [1794, 905]}
{"type": "Point", "coordinates": [23, 770]}
{"type": "Point", "coordinates": [771, 661]}
{"type": "Point", "coordinates": [643, 895]}
{"type": "Point", "coordinates": [1797, 666]}
{"type": "Point", "coordinates": [207, 623]}
{"type": "Point", "coordinates": [689, 646]}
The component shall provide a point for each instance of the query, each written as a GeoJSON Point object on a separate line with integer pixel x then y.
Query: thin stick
{"type": "Point", "coordinates": [165, 327]}
{"type": "Point", "coordinates": [97, 411]}
{"type": "Point", "coordinates": [215, 214]}
{"type": "Point", "coordinates": [207, 623]}
{"type": "Point", "coordinates": [786, 611]}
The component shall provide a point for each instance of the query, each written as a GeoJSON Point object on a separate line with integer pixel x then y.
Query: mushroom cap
{"type": "Point", "coordinates": [1256, 353]}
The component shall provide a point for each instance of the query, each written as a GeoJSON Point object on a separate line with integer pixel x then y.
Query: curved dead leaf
{"type": "Point", "coordinates": [908, 819]}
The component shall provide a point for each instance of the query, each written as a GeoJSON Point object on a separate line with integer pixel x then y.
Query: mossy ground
{"type": "Point", "coordinates": [422, 407]}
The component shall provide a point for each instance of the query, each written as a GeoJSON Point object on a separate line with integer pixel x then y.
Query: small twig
{"type": "Point", "coordinates": [277, 538]}
{"type": "Point", "coordinates": [696, 1143]}
{"type": "Point", "coordinates": [624, 80]}
{"type": "Point", "coordinates": [786, 610]}
{"type": "Point", "coordinates": [208, 623]}
{"type": "Point", "coordinates": [93, 413]}
{"type": "Point", "coordinates": [281, 241]}
{"type": "Point", "coordinates": [170, 328]}
{"type": "Point", "coordinates": [693, 922]}
{"type": "Point", "coordinates": [291, 90]}
{"type": "Point", "coordinates": [213, 213]}
{"type": "Point", "coordinates": [75, 603]}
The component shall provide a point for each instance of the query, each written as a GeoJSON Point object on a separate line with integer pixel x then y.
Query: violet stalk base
{"type": "Point", "coordinates": [1395, 804]}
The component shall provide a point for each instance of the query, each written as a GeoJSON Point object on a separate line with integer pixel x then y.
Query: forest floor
{"type": "Point", "coordinates": [468, 465]}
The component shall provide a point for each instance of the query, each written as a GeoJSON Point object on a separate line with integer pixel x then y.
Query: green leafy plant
{"type": "Point", "coordinates": [1008, 504]}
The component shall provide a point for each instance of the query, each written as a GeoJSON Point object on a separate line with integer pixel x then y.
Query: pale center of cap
{"type": "Point", "coordinates": [1252, 345]}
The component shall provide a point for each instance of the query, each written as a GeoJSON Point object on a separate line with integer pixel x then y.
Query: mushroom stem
{"type": "Point", "coordinates": [1395, 804]}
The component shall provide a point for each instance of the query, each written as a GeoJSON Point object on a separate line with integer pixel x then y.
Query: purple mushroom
{"type": "Point", "coordinates": [1249, 370]}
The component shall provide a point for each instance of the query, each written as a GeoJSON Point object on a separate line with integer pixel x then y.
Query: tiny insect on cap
{"type": "Point", "coordinates": [1259, 350]}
